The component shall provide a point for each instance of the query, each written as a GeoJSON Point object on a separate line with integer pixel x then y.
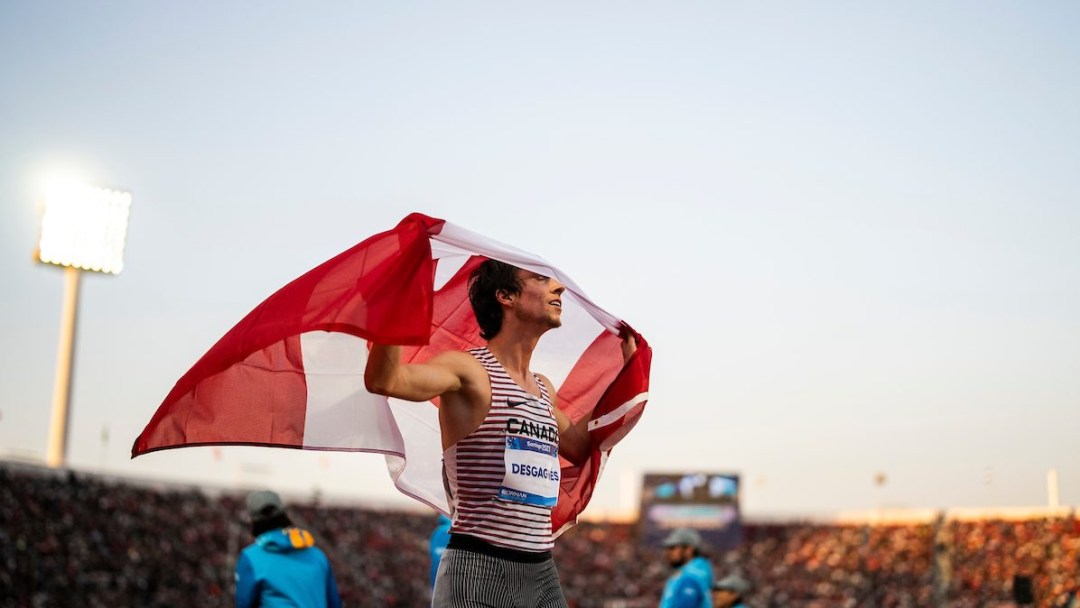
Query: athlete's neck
{"type": "Point", "coordinates": [514, 353]}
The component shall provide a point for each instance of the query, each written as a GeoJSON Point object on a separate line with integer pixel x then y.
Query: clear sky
{"type": "Point", "coordinates": [850, 230]}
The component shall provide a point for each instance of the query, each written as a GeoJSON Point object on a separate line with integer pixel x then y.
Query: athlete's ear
{"type": "Point", "coordinates": [504, 297]}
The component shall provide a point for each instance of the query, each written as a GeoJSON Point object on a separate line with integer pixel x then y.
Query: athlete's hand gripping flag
{"type": "Point", "coordinates": [291, 373]}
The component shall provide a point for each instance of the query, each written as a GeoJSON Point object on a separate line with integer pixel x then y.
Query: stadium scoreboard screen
{"type": "Point", "coordinates": [706, 502]}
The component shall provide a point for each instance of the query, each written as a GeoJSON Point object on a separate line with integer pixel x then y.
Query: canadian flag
{"type": "Point", "coordinates": [291, 373]}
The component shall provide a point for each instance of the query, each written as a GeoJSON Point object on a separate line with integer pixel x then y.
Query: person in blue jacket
{"type": "Point", "coordinates": [283, 567]}
{"type": "Point", "coordinates": [690, 586]}
{"type": "Point", "coordinates": [440, 537]}
{"type": "Point", "coordinates": [730, 592]}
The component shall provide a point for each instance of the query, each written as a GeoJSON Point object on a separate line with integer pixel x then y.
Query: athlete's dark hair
{"type": "Point", "coordinates": [489, 278]}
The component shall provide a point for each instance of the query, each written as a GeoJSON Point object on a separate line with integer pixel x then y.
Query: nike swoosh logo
{"type": "Point", "coordinates": [515, 403]}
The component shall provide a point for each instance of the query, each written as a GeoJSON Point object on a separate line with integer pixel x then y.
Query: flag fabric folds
{"type": "Point", "coordinates": [291, 373]}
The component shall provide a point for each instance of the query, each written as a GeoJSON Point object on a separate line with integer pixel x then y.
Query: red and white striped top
{"type": "Point", "coordinates": [473, 468]}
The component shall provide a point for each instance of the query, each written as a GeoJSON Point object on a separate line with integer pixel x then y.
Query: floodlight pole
{"type": "Point", "coordinates": [1052, 496]}
{"type": "Point", "coordinates": [56, 455]}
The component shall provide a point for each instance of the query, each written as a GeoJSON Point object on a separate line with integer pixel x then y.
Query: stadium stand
{"type": "Point", "coordinates": [73, 539]}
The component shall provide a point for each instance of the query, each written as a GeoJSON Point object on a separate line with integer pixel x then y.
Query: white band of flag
{"type": "Point", "coordinates": [618, 412]}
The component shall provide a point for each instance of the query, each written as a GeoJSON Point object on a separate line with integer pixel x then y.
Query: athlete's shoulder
{"type": "Point", "coordinates": [549, 388]}
{"type": "Point", "coordinates": [456, 358]}
{"type": "Point", "coordinates": [462, 364]}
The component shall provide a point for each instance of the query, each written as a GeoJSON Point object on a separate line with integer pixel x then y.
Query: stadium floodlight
{"type": "Point", "coordinates": [83, 228]}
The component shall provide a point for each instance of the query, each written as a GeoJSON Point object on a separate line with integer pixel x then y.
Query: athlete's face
{"type": "Point", "coordinates": [540, 299]}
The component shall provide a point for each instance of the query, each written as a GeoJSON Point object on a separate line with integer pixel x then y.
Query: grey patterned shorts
{"type": "Point", "coordinates": [473, 580]}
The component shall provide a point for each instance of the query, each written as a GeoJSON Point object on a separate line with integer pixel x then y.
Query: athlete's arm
{"type": "Point", "coordinates": [386, 375]}
{"type": "Point", "coordinates": [574, 441]}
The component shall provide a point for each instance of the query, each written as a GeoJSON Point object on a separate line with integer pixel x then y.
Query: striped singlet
{"type": "Point", "coordinates": [475, 466]}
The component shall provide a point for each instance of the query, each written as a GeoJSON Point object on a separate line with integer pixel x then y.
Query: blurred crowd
{"type": "Point", "coordinates": [78, 540]}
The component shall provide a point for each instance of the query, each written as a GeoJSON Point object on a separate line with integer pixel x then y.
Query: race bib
{"type": "Point", "coordinates": [532, 464]}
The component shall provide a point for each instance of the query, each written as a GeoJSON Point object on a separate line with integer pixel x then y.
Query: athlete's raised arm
{"type": "Point", "coordinates": [574, 441]}
{"type": "Point", "coordinates": [385, 374]}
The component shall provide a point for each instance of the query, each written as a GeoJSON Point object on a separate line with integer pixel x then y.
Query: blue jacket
{"type": "Point", "coordinates": [283, 567]}
{"type": "Point", "coordinates": [690, 586]}
{"type": "Point", "coordinates": [437, 545]}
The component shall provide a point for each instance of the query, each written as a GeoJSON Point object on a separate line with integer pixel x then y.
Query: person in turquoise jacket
{"type": "Point", "coordinates": [440, 537]}
{"type": "Point", "coordinates": [690, 586]}
{"type": "Point", "coordinates": [283, 567]}
{"type": "Point", "coordinates": [730, 592]}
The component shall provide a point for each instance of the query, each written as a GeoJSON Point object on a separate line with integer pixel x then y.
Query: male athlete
{"type": "Point", "coordinates": [502, 434]}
